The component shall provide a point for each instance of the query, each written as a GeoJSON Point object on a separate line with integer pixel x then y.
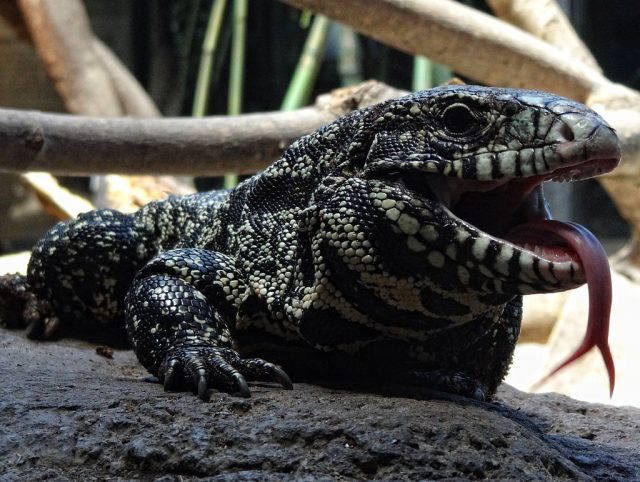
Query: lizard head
{"type": "Point", "coordinates": [477, 158]}
{"type": "Point", "coordinates": [454, 178]}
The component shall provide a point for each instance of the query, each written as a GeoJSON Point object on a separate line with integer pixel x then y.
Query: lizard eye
{"type": "Point", "coordinates": [458, 119]}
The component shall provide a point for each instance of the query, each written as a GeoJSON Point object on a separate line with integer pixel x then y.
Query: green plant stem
{"type": "Point", "coordinates": [306, 71]}
{"type": "Point", "coordinates": [305, 18]}
{"type": "Point", "coordinates": [428, 74]}
{"type": "Point", "coordinates": [209, 47]}
{"type": "Point", "coordinates": [236, 71]}
{"type": "Point", "coordinates": [349, 57]}
{"type": "Point", "coordinates": [238, 43]}
{"type": "Point", "coordinates": [441, 74]}
{"type": "Point", "coordinates": [422, 77]}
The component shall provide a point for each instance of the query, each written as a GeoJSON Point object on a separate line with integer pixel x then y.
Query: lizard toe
{"type": "Point", "coordinates": [259, 369]}
{"type": "Point", "coordinates": [42, 327]}
{"type": "Point", "coordinates": [200, 380]}
{"type": "Point", "coordinates": [171, 374]}
{"type": "Point", "coordinates": [202, 368]}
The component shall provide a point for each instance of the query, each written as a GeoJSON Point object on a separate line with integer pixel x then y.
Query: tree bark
{"type": "Point", "coordinates": [75, 145]}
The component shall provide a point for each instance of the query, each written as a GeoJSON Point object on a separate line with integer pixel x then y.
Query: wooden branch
{"type": "Point", "coordinates": [545, 20]}
{"type": "Point", "coordinates": [90, 79]}
{"type": "Point", "coordinates": [87, 75]}
{"type": "Point", "coordinates": [76, 145]}
{"type": "Point", "coordinates": [61, 33]}
{"type": "Point", "coordinates": [470, 42]}
{"type": "Point", "coordinates": [56, 200]}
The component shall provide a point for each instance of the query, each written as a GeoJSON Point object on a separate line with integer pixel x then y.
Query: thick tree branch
{"type": "Point", "coordinates": [75, 145]}
{"type": "Point", "coordinates": [545, 20]}
{"type": "Point", "coordinates": [60, 31]}
{"type": "Point", "coordinates": [471, 42]}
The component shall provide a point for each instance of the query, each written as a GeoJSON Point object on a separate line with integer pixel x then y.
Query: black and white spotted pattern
{"type": "Point", "coordinates": [345, 253]}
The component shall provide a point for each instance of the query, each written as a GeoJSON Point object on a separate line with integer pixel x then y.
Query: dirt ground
{"type": "Point", "coordinates": [69, 413]}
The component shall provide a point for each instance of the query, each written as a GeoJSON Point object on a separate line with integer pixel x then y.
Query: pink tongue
{"type": "Point", "coordinates": [595, 264]}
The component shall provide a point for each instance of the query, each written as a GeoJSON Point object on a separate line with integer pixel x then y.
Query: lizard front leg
{"type": "Point", "coordinates": [178, 314]}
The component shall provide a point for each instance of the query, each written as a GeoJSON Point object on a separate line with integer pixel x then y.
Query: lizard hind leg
{"type": "Point", "coordinates": [78, 274]}
{"type": "Point", "coordinates": [178, 312]}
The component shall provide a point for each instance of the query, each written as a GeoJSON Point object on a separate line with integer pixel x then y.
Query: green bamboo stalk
{"type": "Point", "coordinates": [349, 57]}
{"type": "Point", "coordinates": [428, 74]}
{"type": "Point", "coordinates": [422, 77]}
{"type": "Point", "coordinates": [236, 71]}
{"type": "Point", "coordinates": [238, 43]}
{"type": "Point", "coordinates": [308, 66]}
{"type": "Point", "coordinates": [305, 18]}
{"type": "Point", "coordinates": [209, 47]}
{"type": "Point", "coordinates": [441, 74]}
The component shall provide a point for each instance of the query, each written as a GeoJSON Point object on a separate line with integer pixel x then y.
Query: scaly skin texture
{"type": "Point", "coordinates": [346, 257]}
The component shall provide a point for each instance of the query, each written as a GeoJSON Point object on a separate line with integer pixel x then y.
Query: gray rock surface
{"type": "Point", "coordinates": [68, 413]}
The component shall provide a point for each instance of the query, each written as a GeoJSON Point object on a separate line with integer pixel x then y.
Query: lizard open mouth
{"type": "Point", "coordinates": [512, 211]}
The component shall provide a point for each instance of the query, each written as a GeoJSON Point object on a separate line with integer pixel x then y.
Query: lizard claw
{"type": "Point", "coordinates": [242, 386]}
{"type": "Point", "coordinates": [201, 383]}
{"type": "Point", "coordinates": [39, 328]}
{"type": "Point", "coordinates": [204, 367]}
{"type": "Point", "coordinates": [280, 376]}
{"type": "Point", "coordinates": [20, 307]}
{"type": "Point", "coordinates": [171, 375]}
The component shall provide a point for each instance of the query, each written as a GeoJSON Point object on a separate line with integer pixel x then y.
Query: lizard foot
{"type": "Point", "coordinates": [21, 308]}
{"type": "Point", "coordinates": [457, 383]}
{"type": "Point", "coordinates": [202, 367]}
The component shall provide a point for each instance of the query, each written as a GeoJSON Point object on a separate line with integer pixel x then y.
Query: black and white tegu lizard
{"type": "Point", "coordinates": [394, 243]}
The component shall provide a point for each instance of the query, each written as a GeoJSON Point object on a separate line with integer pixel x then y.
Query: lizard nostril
{"type": "Point", "coordinates": [567, 132]}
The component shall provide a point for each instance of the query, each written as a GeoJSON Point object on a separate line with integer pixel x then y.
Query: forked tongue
{"type": "Point", "coordinates": [595, 264]}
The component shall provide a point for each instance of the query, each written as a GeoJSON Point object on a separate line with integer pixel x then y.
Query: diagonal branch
{"type": "Point", "coordinates": [545, 20]}
{"type": "Point", "coordinates": [471, 42]}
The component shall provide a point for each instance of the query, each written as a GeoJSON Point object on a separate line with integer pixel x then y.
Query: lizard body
{"type": "Point", "coordinates": [376, 246]}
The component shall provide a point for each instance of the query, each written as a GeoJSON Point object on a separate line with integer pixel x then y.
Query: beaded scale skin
{"type": "Point", "coordinates": [374, 247]}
